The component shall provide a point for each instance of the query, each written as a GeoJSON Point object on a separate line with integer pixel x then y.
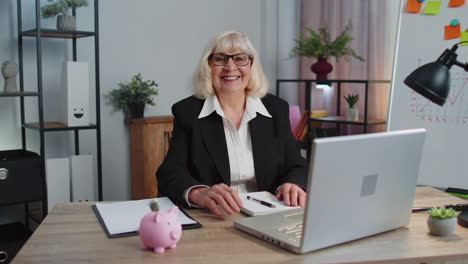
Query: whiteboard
{"type": "Point", "coordinates": [420, 41]}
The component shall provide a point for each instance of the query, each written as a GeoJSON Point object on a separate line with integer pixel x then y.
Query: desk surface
{"type": "Point", "coordinates": [72, 234]}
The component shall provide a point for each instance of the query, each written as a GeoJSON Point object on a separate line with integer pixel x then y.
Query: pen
{"type": "Point", "coordinates": [262, 202]}
{"type": "Point", "coordinates": [456, 207]}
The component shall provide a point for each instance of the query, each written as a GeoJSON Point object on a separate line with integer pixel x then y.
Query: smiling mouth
{"type": "Point", "coordinates": [230, 78]}
{"type": "Point", "coordinates": [78, 115]}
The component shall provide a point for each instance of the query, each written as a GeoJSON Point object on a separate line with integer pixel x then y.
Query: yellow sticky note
{"type": "Point", "coordinates": [432, 7]}
{"type": "Point", "coordinates": [464, 37]}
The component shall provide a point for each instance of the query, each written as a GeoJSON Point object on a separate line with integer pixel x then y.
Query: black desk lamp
{"type": "Point", "coordinates": [432, 80]}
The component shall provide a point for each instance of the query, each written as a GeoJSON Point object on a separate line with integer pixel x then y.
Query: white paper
{"type": "Point", "coordinates": [124, 217]}
{"type": "Point", "coordinates": [256, 208]}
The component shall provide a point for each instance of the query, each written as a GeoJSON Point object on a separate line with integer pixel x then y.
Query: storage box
{"type": "Point", "coordinates": [74, 95]}
{"type": "Point", "coordinates": [82, 174]}
{"type": "Point", "coordinates": [20, 176]}
{"type": "Point", "coordinates": [58, 181]}
{"type": "Point", "coordinates": [12, 238]}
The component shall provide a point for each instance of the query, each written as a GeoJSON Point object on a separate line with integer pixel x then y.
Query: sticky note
{"type": "Point", "coordinates": [452, 32]}
{"type": "Point", "coordinates": [432, 7]}
{"type": "Point", "coordinates": [455, 3]}
{"type": "Point", "coordinates": [413, 6]}
{"type": "Point", "coordinates": [464, 37]}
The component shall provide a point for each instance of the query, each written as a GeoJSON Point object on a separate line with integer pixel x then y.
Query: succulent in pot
{"type": "Point", "coordinates": [352, 113]}
{"type": "Point", "coordinates": [61, 9]}
{"type": "Point", "coordinates": [442, 221]}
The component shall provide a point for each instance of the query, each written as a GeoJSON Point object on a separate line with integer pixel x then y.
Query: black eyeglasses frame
{"type": "Point", "coordinates": [231, 57]}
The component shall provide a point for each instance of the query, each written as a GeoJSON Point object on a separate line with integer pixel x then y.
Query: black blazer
{"type": "Point", "coordinates": [198, 151]}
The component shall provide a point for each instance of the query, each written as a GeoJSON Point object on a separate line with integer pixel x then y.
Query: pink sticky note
{"type": "Point", "coordinates": [452, 32]}
{"type": "Point", "coordinates": [456, 3]}
{"type": "Point", "coordinates": [413, 6]}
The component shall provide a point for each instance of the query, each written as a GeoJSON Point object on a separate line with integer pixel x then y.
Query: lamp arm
{"type": "Point", "coordinates": [460, 43]}
{"type": "Point", "coordinates": [460, 64]}
{"type": "Point", "coordinates": [463, 65]}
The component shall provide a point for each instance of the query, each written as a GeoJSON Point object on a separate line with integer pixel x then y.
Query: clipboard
{"type": "Point", "coordinates": [100, 218]}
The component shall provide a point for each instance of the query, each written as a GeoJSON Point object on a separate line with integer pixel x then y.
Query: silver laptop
{"type": "Point", "coordinates": [358, 186]}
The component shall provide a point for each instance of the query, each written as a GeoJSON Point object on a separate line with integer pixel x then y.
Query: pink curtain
{"type": "Point", "coordinates": [374, 28]}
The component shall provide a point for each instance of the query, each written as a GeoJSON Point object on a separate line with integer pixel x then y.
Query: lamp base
{"type": "Point", "coordinates": [462, 219]}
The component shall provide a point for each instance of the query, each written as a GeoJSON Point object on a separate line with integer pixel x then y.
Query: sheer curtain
{"type": "Point", "coordinates": [374, 32]}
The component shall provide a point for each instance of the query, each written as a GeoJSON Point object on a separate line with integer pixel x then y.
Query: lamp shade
{"type": "Point", "coordinates": [432, 80]}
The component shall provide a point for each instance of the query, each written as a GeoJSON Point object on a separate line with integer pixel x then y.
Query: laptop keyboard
{"type": "Point", "coordinates": [294, 230]}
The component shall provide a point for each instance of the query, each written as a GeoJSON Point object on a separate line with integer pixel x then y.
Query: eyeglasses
{"type": "Point", "coordinates": [220, 59]}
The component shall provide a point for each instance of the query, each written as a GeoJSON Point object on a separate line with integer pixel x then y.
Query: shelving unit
{"type": "Point", "coordinates": [39, 34]}
{"type": "Point", "coordinates": [338, 120]}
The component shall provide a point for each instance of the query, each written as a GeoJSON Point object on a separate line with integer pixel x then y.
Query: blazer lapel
{"type": "Point", "coordinates": [261, 133]}
{"type": "Point", "coordinates": [215, 140]}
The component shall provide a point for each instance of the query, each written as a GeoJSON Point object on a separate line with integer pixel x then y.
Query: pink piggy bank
{"type": "Point", "coordinates": [160, 230]}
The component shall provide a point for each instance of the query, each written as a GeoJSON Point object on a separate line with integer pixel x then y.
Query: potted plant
{"type": "Point", "coordinates": [320, 46]}
{"type": "Point", "coordinates": [132, 97]}
{"type": "Point", "coordinates": [442, 221]}
{"type": "Point", "coordinates": [65, 21]}
{"type": "Point", "coordinates": [352, 114]}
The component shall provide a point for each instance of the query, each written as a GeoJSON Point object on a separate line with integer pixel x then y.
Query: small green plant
{"type": "Point", "coordinates": [442, 212]}
{"type": "Point", "coordinates": [136, 92]}
{"type": "Point", "coordinates": [61, 7]}
{"type": "Point", "coordinates": [318, 44]}
{"type": "Point", "coordinates": [352, 99]}
{"type": "Point", "coordinates": [154, 205]}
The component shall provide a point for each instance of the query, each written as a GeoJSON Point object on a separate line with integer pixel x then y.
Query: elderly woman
{"type": "Point", "coordinates": [231, 136]}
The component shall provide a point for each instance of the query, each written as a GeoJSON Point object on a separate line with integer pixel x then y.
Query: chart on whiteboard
{"type": "Point", "coordinates": [455, 109]}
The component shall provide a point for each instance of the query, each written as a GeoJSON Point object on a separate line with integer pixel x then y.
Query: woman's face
{"type": "Point", "coordinates": [230, 78]}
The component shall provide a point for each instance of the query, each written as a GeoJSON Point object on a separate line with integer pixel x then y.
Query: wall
{"type": "Point", "coordinates": [163, 40]}
{"type": "Point", "coordinates": [289, 13]}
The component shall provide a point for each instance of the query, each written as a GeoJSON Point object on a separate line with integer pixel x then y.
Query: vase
{"type": "Point", "coordinates": [321, 68]}
{"type": "Point", "coordinates": [441, 226]}
{"type": "Point", "coordinates": [352, 114]}
{"type": "Point", "coordinates": [136, 110]}
{"type": "Point", "coordinates": [66, 23]}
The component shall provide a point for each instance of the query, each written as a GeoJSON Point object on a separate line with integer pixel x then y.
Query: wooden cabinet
{"type": "Point", "coordinates": [149, 140]}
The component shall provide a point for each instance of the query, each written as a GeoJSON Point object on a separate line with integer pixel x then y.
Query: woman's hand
{"type": "Point", "coordinates": [219, 198]}
{"type": "Point", "coordinates": [292, 194]}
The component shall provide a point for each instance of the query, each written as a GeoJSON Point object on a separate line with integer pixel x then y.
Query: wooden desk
{"type": "Point", "coordinates": [72, 234]}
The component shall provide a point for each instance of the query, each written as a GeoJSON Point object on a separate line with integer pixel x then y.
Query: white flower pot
{"type": "Point", "coordinates": [441, 227]}
{"type": "Point", "coordinates": [66, 23]}
{"type": "Point", "coordinates": [352, 114]}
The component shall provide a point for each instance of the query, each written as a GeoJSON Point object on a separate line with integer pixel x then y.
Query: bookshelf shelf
{"type": "Point", "coordinates": [342, 120]}
{"type": "Point", "coordinates": [338, 120]}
